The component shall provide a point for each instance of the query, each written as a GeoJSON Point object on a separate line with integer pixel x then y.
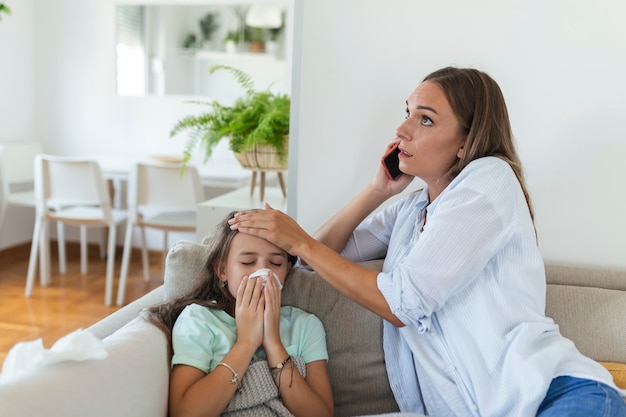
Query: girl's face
{"type": "Point", "coordinates": [430, 137]}
{"type": "Point", "coordinates": [249, 253]}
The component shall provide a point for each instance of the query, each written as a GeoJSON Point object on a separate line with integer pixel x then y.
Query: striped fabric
{"type": "Point", "coordinates": [469, 284]}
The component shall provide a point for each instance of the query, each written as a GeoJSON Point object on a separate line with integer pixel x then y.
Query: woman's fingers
{"type": "Point", "coordinates": [272, 225]}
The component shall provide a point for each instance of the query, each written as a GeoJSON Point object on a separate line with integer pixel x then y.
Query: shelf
{"type": "Point", "coordinates": [238, 56]}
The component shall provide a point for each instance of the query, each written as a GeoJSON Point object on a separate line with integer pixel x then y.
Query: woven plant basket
{"type": "Point", "coordinates": [262, 158]}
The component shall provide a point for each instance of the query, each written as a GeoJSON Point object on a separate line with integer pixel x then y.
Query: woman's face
{"type": "Point", "coordinates": [249, 253]}
{"type": "Point", "coordinates": [430, 137]}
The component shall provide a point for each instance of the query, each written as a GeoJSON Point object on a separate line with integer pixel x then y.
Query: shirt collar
{"type": "Point", "coordinates": [421, 200]}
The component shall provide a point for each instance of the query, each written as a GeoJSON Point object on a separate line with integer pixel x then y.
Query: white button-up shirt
{"type": "Point", "coordinates": [469, 285]}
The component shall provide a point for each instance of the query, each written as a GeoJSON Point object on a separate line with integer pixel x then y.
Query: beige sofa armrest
{"type": "Point", "coordinates": [115, 321]}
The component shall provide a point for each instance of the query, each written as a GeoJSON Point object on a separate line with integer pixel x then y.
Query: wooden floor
{"type": "Point", "coordinates": [72, 301]}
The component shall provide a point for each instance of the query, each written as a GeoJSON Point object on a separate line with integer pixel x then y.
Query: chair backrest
{"type": "Point", "coordinates": [66, 181]}
{"type": "Point", "coordinates": [163, 186]}
{"type": "Point", "coordinates": [16, 165]}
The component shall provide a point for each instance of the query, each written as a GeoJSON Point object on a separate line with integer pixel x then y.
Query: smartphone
{"type": "Point", "coordinates": [391, 162]}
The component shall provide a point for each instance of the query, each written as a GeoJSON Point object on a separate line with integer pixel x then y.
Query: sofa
{"type": "Point", "coordinates": [589, 304]}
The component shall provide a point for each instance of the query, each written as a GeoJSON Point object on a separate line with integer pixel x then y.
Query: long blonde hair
{"type": "Point", "coordinates": [479, 105]}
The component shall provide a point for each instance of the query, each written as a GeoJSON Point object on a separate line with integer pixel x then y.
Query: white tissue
{"type": "Point", "coordinates": [77, 346]}
{"type": "Point", "coordinates": [264, 273]}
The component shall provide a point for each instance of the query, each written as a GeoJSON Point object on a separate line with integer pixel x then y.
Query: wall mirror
{"type": "Point", "coordinates": [168, 49]}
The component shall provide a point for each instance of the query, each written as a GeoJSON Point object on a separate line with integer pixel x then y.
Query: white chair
{"type": "Point", "coordinates": [71, 191]}
{"type": "Point", "coordinates": [161, 197]}
{"type": "Point", "coordinates": [17, 178]}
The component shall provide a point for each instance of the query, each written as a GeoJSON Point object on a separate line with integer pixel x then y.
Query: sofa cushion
{"type": "Point", "coordinates": [610, 279]}
{"type": "Point", "coordinates": [131, 381]}
{"type": "Point", "coordinates": [578, 310]}
{"type": "Point", "coordinates": [618, 371]}
{"type": "Point", "coordinates": [356, 363]}
{"type": "Point", "coordinates": [186, 260]}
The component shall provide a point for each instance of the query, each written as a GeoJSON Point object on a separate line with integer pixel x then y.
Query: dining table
{"type": "Point", "coordinates": [221, 174]}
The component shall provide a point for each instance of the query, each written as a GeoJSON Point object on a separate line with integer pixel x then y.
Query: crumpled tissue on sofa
{"type": "Point", "coordinates": [77, 346]}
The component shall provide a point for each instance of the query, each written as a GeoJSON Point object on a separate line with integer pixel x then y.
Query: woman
{"type": "Point", "coordinates": [235, 349]}
{"type": "Point", "coordinates": [462, 289]}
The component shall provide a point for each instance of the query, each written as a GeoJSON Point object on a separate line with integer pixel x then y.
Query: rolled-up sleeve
{"type": "Point", "coordinates": [370, 240]}
{"type": "Point", "coordinates": [465, 228]}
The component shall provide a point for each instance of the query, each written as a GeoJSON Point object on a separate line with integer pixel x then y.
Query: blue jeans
{"type": "Point", "coordinates": [576, 397]}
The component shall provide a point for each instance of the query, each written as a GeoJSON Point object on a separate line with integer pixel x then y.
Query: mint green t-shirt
{"type": "Point", "coordinates": [201, 336]}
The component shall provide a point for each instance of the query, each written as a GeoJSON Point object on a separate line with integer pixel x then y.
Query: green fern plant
{"type": "Point", "coordinates": [4, 9]}
{"type": "Point", "coordinates": [256, 118]}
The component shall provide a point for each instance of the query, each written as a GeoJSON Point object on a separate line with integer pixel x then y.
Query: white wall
{"type": "Point", "coordinates": [560, 64]}
{"type": "Point", "coordinates": [16, 72]}
{"type": "Point", "coordinates": [17, 98]}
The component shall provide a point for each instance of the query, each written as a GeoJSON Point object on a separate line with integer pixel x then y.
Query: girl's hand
{"type": "Point", "coordinates": [249, 308]}
{"type": "Point", "coordinates": [271, 316]}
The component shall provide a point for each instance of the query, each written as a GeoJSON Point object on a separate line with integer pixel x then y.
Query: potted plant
{"type": "Point", "coordinates": [257, 43]}
{"type": "Point", "coordinates": [230, 41]}
{"type": "Point", "coordinates": [191, 40]}
{"type": "Point", "coordinates": [256, 126]}
{"type": "Point", "coordinates": [271, 45]}
{"type": "Point", "coordinates": [208, 25]}
{"type": "Point", "coordinates": [4, 9]}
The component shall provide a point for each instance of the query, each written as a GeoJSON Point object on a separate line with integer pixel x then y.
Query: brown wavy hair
{"type": "Point", "coordinates": [478, 103]}
{"type": "Point", "coordinates": [209, 292]}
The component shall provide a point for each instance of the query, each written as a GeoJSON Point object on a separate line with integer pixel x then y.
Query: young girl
{"type": "Point", "coordinates": [234, 348]}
